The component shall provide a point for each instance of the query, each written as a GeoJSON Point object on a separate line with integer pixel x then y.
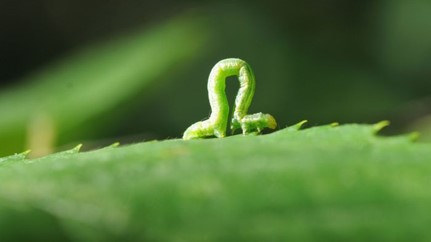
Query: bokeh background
{"type": "Point", "coordinates": [97, 72]}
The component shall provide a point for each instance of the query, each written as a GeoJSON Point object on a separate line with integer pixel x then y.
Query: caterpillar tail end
{"type": "Point", "coordinates": [204, 129]}
{"type": "Point", "coordinates": [193, 132]}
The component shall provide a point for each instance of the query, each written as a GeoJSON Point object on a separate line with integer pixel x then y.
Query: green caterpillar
{"type": "Point", "coordinates": [216, 124]}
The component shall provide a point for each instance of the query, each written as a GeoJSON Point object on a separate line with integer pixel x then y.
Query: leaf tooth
{"type": "Point", "coordinates": [16, 157]}
{"type": "Point", "coordinates": [299, 125]}
{"type": "Point", "coordinates": [77, 148]}
{"type": "Point", "coordinates": [334, 124]}
{"type": "Point", "coordinates": [25, 153]}
{"type": "Point", "coordinates": [413, 136]}
{"type": "Point", "coordinates": [74, 150]}
{"type": "Point", "coordinates": [380, 125]}
{"type": "Point", "coordinates": [116, 144]}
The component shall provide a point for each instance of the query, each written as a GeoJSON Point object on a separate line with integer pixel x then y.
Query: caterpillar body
{"type": "Point", "coordinates": [216, 124]}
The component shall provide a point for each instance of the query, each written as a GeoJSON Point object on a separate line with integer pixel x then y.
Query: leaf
{"type": "Point", "coordinates": [86, 85]}
{"type": "Point", "coordinates": [330, 183]}
{"type": "Point", "coordinates": [14, 158]}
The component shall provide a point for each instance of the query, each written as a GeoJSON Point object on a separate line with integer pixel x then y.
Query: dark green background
{"type": "Point", "coordinates": [325, 61]}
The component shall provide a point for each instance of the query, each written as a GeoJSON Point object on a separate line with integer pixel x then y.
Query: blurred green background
{"type": "Point", "coordinates": [97, 72]}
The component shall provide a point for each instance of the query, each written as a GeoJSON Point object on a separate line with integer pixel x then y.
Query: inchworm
{"type": "Point", "coordinates": [216, 124]}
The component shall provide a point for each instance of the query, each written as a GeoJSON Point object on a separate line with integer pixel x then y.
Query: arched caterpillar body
{"type": "Point", "coordinates": [216, 124]}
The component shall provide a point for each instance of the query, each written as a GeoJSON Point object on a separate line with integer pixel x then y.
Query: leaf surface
{"type": "Point", "coordinates": [331, 183]}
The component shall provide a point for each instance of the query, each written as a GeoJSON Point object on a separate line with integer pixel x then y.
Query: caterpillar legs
{"type": "Point", "coordinates": [253, 123]}
{"type": "Point", "coordinates": [205, 128]}
{"type": "Point", "coordinates": [249, 124]}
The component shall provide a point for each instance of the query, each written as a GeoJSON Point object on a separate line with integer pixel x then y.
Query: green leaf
{"type": "Point", "coordinates": [327, 183]}
{"type": "Point", "coordinates": [14, 158]}
{"type": "Point", "coordinates": [67, 94]}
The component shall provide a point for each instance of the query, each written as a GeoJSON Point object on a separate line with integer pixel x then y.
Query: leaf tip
{"type": "Point", "coordinates": [77, 148]}
{"type": "Point", "coordinates": [25, 153]}
{"type": "Point", "coordinates": [116, 144]}
{"type": "Point", "coordinates": [334, 124]}
{"type": "Point", "coordinates": [380, 125]}
{"type": "Point", "coordinates": [414, 136]}
{"type": "Point", "coordinates": [299, 125]}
